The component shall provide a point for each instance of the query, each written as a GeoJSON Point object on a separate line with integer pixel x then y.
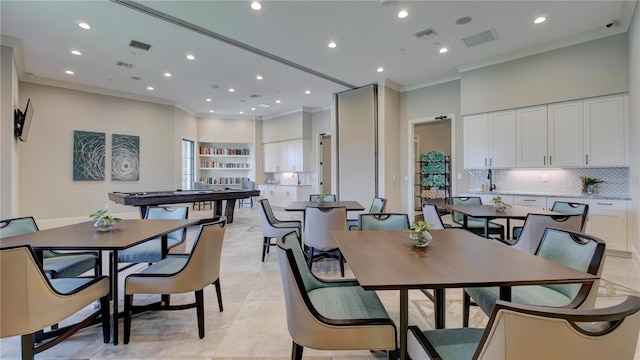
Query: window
{"type": "Point", "coordinates": [187, 164]}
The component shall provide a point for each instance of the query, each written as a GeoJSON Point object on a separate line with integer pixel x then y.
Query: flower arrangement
{"type": "Point", "coordinates": [420, 227]}
{"type": "Point", "coordinates": [588, 183]}
{"type": "Point", "coordinates": [420, 236]}
{"type": "Point", "coordinates": [499, 204]}
{"type": "Point", "coordinates": [103, 221]}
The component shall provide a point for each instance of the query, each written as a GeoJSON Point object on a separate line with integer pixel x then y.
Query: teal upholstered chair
{"type": "Point", "coordinates": [377, 206]}
{"type": "Point", "coordinates": [383, 221]}
{"type": "Point", "coordinates": [473, 224]}
{"type": "Point", "coordinates": [567, 208]}
{"type": "Point", "coordinates": [327, 197]}
{"type": "Point", "coordinates": [579, 251]}
{"type": "Point", "coordinates": [54, 264]}
{"type": "Point", "coordinates": [330, 315]}
{"type": "Point", "coordinates": [518, 331]}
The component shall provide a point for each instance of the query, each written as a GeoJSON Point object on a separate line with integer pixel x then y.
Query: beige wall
{"type": "Point", "coordinates": [186, 127]}
{"type": "Point", "coordinates": [434, 136]}
{"type": "Point", "coordinates": [389, 148]}
{"type": "Point", "coordinates": [9, 147]}
{"type": "Point", "coordinates": [594, 68]}
{"type": "Point", "coordinates": [634, 136]}
{"type": "Point", "coordinates": [292, 126]}
{"type": "Point", "coordinates": [47, 189]}
{"type": "Point", "coordinates": [217, 130]}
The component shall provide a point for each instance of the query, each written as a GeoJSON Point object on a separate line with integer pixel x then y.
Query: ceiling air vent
{"type": "Point", "coordinates": [425, 34]}
{"type": "Point", "coordinates": [480, 38]}
{"type": "Point", "coordinates": [263, 105]}
{"type": "Point", "coordinates": [124, 64]}
{"type": "Point", "coordinates": [140, 45]}
{"type": "Point", "coordinates": [255, 96]}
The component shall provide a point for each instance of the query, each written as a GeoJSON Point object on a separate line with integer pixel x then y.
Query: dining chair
{"type": "Point", "coordinates": [200, 185]}
{"type": "Point", "coordinates": [579, 251]}
{"type": "Point", "coordinates": [432, 216]}
{"type": "Point", "coordinates": [151, 251]}
{"type": "Point", "coordinates": [567, 208]}
{"type": "Point", "coordinates": [272, 227]}
{"type": "Point", "coordinates": [475, 225]}
{"type": "Point", "coordinates": [55, 264]}
{"type": "Point", "coordinates": [330, 314]}
{"type": "Point", "coordinates": [247, 185]}
{"type": "Point", "coordinates": [327, 197]}
{"type": "Point", "coordinates": [534, 227]}
{"type": "Point", "coordinates": [30, 302]}
{"type": "Point", "coordinates": [318, 225]}
{"type": "Point", "coordinates": [180, 273]}
{"type": "Point", "coordinates": [517, 331]}
{"type": "Point", "coordinates": [383, 221]}
{"type": "Point", "coordinates": [377, 206]}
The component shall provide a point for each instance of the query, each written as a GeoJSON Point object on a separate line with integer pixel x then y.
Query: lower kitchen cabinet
{"type": "Point", "coordinates": [283, 195]}
{"type": "Point", "coordinates": [607, 220]}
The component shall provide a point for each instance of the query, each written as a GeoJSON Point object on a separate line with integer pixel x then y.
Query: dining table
{"type": "Point", "coordinates": [490, 212]}
{"type": "Point", "coordinates": [455, 258]}
{"type": "Point", "coordinates": [84, 236]}
{"type": "Point", "coordinates": [302, 205]}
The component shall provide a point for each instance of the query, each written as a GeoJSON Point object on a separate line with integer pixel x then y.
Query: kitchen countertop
{"type": "Point", "coordinates": [529, 193]}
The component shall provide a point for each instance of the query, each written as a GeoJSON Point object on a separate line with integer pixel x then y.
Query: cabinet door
{"type": "Point", "coordinates": [270, 157]}
{"type": "Point", "coordinates": [531, 128]}
{"type": "Point", "coordinates": [565, 134]}
{"type": "Point", "coordinates": [604, 131]}
{"type": "Point", "coordinates": [610, 226]}
{"type": "Point", "coordinates": [476, 141]}
{"type": "Point", "coordinates": [502, 139]}
{"type": "Point", "coordinates": [538, 202]}
{"type": "Point", "coordinates": [302, 149]}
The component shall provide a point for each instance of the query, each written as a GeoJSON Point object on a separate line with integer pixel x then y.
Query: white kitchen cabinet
{"type": "Point", "coordinates": [607, 220]}
{"type": "Point", "coordinates": [490, 140]}
{"type": "Point", "coordinates": [531, 130]}
{"type": "Point", "coordinates": [538, 202]}
{"type": "Point", "coordinates": [287, 156]}
{"type": "Point", "coordinates": [604, 131]}
{"type": "Point", "coordinates": [565, 134]}
{"type": "Point", "coordinates": [271, 157]}
{"type": "Point", "coordinates": [283, 195]}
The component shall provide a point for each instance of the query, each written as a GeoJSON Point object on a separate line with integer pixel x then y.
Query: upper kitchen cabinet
{"type": "Point", "coordinates": [531, 130]}
{"type": "Point", "coordinates": [287, 156]}
{"type": "Point", "coordinates": [490, 140]}
{"type": "Point", "coordinates": [604, 131]}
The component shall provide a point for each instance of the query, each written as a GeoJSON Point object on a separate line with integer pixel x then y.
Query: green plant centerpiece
{"type": "Point", "coordinates": [103, 221]}
{"type": "Point", "coordinates": [499, 204]}
{"type": "Point", "coordinates": [321, 198]}
{"type": "Point", "coordinates": [419, 233]}
{"type": "Point", "coordinates": [588, 184]}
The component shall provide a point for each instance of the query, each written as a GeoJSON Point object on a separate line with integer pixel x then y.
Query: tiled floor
{"type": "Point", "coordinates": [253, 323]}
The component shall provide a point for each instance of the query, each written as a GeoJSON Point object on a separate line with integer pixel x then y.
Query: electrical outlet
{"type": "Point", "coordinates": [545, 178]}
{"type": "Point", "coordinates": [459, 176]}
{"type": "Point", "coordinates": [106, 206]}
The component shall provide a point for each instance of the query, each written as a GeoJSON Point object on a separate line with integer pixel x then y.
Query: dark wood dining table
{"type": "Point", "coordinates": [302, 205]}
{"type": "Point", "coordinates": [456, 258]}
{"type": "Point", "coordinates": [83, 236]}
{"type": "Point", "coordinates": [489, 212]}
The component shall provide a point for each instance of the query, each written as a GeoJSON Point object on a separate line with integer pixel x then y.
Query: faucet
{"type": "Point", "coordinates": [297, 174]}
{"type": "Point", "coordinates": [492, 186]}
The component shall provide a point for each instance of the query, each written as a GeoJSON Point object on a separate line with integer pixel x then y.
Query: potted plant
{"type": "Point", "coordinates": [103, 221]}
{"type": "Point", "coordinates": [499, 204]}
{"type": "Point", "coordinates": [419, 233]}
{"type": "Point", "coordinates": [321, 198]}
{"type": "Point", "coordinates": [588, 184]}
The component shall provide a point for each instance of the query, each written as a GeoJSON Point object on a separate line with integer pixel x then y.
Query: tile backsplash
{"type": "Point", "coordinates": [555, 181]}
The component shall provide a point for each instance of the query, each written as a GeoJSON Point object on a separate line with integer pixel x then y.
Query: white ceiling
{"type": "Point", "coordinates": [368, 35]}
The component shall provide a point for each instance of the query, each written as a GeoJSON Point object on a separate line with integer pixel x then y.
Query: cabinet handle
{"type": "Point", "coordinates": [544, 160]}
{"type": "Point", "coordinates": [485, 161]}
{"type": "Point", "coordinates": [490, 161]}
{"type": "Point", "coordinates": [610, 204]}
{"type": "Point", "coordinates": [550, 160]}
{"type": "Point", "coordinates": [586, 159]}
{"type": "Point", "coordinates": [528, 200]}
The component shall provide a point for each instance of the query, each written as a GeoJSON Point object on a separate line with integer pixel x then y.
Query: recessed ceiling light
{"type": "Point", "coordinates": [84, 25]}
{"type": "Point", "coordinates": [76, 52]}
{"type": "Point", "coordinates": [443, 50]}
{"type": "Point", "coordinates": [210, 111]}
{"type": "Point", "coordinates": [259, 77]}
{"type": "Point", "coordinates": [69, 72]}
{"type": "Point", "coordinates": [277, 101]}
{"type": "Point", "coordinates": [380, 69]}
{"type": "Point", "coordinates": [150, 88]}
{"type": "Point", "coordinates": [254, 109]}
{"type": "Point", "coordinates": [255, 5]}
{"type": "Point", "coordinates": [167, 74]}
{"type": "Point", "coordinates": [191, 57]}
{"type": "Point", "coordinates": [540, 20]}
{"type": "Point", "coordinates": [241, 112]}
{"type": "Point", "coordinates": [209, 100]}
{"type": "Point", "coordinates": [307, 92]}
{"type": "Point", "coordinates": [232, 90]}
{"type": "Point", "coordinates": [332, 44]}
{"type": "Point", "coordinates": [403, 14]}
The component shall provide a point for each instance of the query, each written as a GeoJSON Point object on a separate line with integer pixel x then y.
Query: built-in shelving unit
{"type": "Point", "coordinates": [222, 164]}
{"type": "Point", "coordinates": [434, 185]}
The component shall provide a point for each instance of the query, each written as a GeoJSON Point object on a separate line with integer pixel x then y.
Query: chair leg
{"type": "Point", "coordinates": [27, 346]}
{"type": "Point", "coordinates": [341, 259]}
{"type": "Point", "coordinates": [296, 351]}
{"type": "Point", "coordinates": [265, 245]}
{"type": "Point", "coordinates": [166, 299]}
{"type": "Point", "coordinates": [310, 258]}
{"type": "Point", "coordinates": [466, 304]}
{"type": "Point", "coordinates": [219, 293]}
{"type": "Point", "coordinates": [393, 354]}
{"type": "Point", "coordinates": [106, 321]}
{"type": "Point", "coordinates": [200, 312]}
{"type": "Point", "coordinates": [128, 303]}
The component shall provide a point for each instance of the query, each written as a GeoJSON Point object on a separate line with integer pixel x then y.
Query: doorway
{"type": "Point", "coordinates": [324, 163]}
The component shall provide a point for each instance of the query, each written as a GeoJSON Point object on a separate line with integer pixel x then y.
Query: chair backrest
{"type": "Point", "coordinates": [432, 216]}
{"type": "Point", "coordinates": [383, 221]}
{"type": "Point", "coordinates": [535, 225]}
{"type": "Point", "coordinates": [327, 197]}
{"type": "Point", "coordinates": [377, 205]}
{"type": "Point", "coordinates": [248, 185]}
{"type": "Point", "coordinates": [320, 222]}
{"type": "Point", "coordinates": [571, 208]}
{"type": "Point", "coordinates": [579, 251]}
{"type": "Point", "coordinates": [267, 212]}
{"type": "Point", "coordinates": [519, 331]}
{"type": "Point", "coordinates": [170, 213]}
{"type": "Point", "coordinates": [459, 200]}
{"type": "Point", "coordinates": [199, 185]}
{"type": "Point", "coordinates": [17, 226]}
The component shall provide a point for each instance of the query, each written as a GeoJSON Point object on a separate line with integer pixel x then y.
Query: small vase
{"type": "Point", "coordinates": [420, 239]}
{"type": "Point", "coordinates": [103, 225]}
{"type": "Point", "coordinates": [499, 207]}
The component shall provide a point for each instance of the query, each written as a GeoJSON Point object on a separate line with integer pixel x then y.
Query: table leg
{"type": "Point", "coordinates": [505, 293]}
{"type": "Point", "coordinates": [439, 304]}
{"type": "Point", "coordinates": [113, 274]}
{"type": "Point", "coordinates": [143, 211]}
{"type": "Point", "coordinates": [217, 208]}
{"type": "Point", "coordinates": [508, 234]}
{"type": "Point", "coordinates": [404, 322]}
{"type": "Point", "coordinates": [231, 204]}
{"type": "Point", "coordinates": [486, 228]}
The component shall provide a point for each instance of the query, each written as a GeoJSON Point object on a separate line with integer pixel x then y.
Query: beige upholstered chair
{"type": "Point", "coordinates": [180, 273]}
{"type": "Point", "coordinates": [536, 332]}
{"type": "Point", "coordinates": [272, 227]}
{"type": "Point", "coordinates": [566, 208]}
{"type": "Point", "coordinates": [330, 315]}
{"type": "Point", "coordinates": [318, 225]}
{"type": "Point", "coordinates": [579, 251]}
{"type": "Point", "coordinates": [29, 302]}
{"type": "Point", "coordinates": [377, 206]}
{"type": "Point", "coordinates": [432, 216]}
{"type": "Point", "coordinates": [534, 227]}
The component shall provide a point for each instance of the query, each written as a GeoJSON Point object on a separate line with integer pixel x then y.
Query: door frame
{"type": "Point", "coordinates": [319, 158]}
